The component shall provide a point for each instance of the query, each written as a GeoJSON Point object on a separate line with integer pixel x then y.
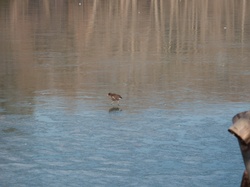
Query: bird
{"type": "Point", "coordinates": [114, 97]}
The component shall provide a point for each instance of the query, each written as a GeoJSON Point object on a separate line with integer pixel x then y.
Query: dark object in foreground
{"type": "Point", "coordinates": [245, 180]}
{"type": "Point", "coordinates": [114, 97]}
{"type": "Point", "coordinates": [241, 129]}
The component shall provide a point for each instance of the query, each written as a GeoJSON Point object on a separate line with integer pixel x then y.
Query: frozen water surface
{"type": "Point", "coordinates": [126, 147]}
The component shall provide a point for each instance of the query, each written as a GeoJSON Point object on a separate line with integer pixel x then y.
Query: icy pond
{"type": "Point", "coordinates": [182, 68]}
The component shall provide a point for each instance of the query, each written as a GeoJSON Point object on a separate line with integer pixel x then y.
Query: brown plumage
{"type": "Point", "coordinates": [114, 97]}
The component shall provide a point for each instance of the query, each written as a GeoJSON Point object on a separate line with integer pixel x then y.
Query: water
{"type": "Point", "coordinates": [181, 68]}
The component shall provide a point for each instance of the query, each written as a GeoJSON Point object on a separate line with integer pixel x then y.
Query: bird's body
{"type": "Point", "coordinates": [114, 97]}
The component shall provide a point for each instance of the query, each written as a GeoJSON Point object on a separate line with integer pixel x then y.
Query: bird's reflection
{"type": "Point", "coordinates": [9, 130]}
{"type": "Point", "coordinates": [115, 109]}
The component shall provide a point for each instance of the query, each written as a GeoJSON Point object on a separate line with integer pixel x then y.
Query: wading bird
{"type": "Point", "coordinates": [114, 97]}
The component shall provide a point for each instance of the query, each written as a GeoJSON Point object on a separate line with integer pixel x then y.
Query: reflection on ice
{"type": "Point", "coordinates": [115, 109]}
{"type": "Point", "coordinates": [9, 130]}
